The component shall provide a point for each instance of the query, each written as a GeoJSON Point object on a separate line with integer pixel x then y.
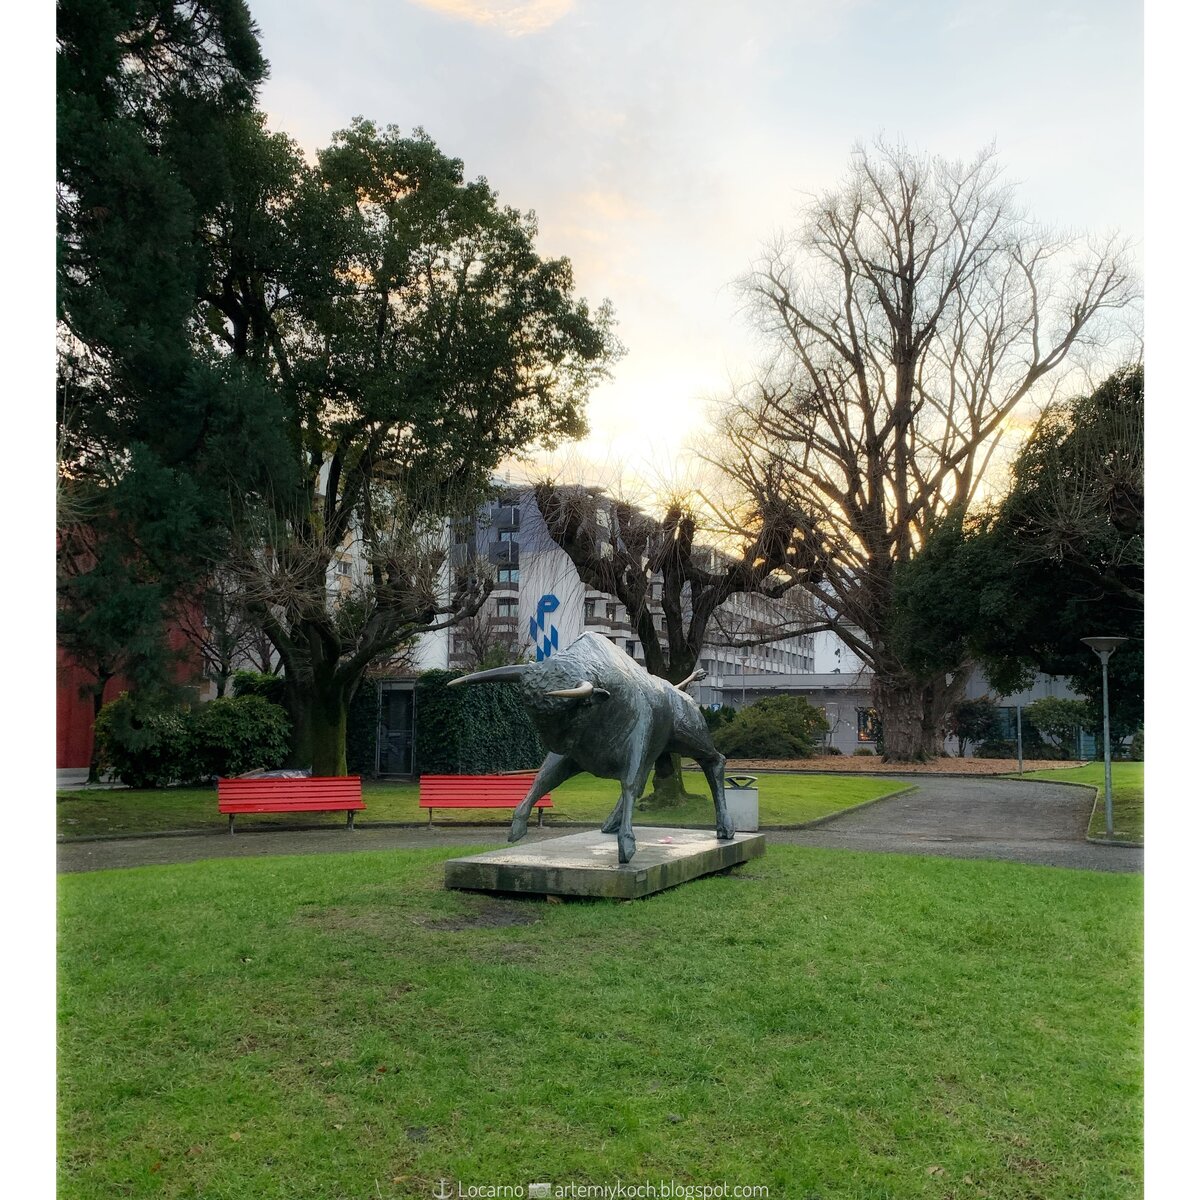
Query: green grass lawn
{"type": "Point", "coordinates": [782, 800]}
{"type": "Point", "coordinates": [1128, 782]}
{"type": "Point", "coordinates": [823, 1023]}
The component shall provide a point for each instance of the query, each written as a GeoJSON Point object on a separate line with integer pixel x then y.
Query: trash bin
{"type": "Point", "coordinates": [741, 798]}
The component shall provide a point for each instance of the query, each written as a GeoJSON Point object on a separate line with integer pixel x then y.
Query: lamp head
{"type": "Point", "coordinates": [1104, 646]}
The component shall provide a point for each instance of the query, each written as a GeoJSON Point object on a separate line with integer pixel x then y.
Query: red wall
{"type": "Point", "coordinates": [75, 711]}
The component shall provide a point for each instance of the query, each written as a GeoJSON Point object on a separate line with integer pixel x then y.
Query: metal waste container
{"type": "Point", "coordinates": [741, 798]}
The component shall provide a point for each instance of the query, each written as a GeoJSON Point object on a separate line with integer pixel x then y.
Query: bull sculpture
{"type": "Point", "coordinates": [599, 711]}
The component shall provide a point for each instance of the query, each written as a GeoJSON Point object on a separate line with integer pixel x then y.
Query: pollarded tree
{"type": "Point", "coordinates": [415, 338]}
{"type": "Point", "coordinates": [911, 314]}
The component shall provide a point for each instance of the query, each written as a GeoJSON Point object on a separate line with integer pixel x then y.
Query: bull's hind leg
{"type": "Point", "coordinates": [697, 743]}
{"type": "Point", "coordinates": [714, 772]}
{"type": "Point", "coordinates": [555, 770]}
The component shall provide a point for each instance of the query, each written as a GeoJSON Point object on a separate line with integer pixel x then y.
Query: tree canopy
{"type": "Point", "coordinates": [906, 319]}
{"type": "Point", "coordinates": [1060, 558]}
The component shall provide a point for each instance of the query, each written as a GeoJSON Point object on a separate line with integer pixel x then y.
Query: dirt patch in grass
{"type": "Point", "coordinates": [490, 914]}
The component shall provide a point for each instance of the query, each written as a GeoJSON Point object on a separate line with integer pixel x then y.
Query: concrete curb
{"type": "Point", "coordinates": [62, 840]}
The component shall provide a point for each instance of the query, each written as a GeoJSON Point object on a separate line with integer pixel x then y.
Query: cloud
{"type": "Point", "coordinates": [513, 17]}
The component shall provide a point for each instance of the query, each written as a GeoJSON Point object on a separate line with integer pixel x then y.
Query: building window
{"type": "Point", "coordinates": [631, 648]}
{"type": "Point", "coordinates": [510, 575]}
{"type": "Point", "coordinates": [611, 612]}
{"type": "Point", "coordinates": [589, 609]}
{"type": "Point", "coordinates": [509, 535]}
{"type": "Point", "coordinates": [343, 568]}
{"type": "Point", "coordinates": [506, 607]}
{"type": "Point", "coordinates": [868, 725]}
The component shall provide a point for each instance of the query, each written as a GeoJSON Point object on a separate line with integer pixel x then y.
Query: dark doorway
{"type": "Point", "coordinates": [396, 730]}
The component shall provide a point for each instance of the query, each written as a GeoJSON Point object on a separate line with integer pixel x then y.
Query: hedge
{"type": "Point", "coordinates": [476, 730]}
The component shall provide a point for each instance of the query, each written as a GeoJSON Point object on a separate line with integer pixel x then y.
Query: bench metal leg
{"type": "Point", "coordinates": [231, 822]}
{"type": "Point", "coordinates": [541, 813]}
{"type": "Point", "coordinates": [350, 819]}
{"type": "Point", "coordinates": [431, 818]}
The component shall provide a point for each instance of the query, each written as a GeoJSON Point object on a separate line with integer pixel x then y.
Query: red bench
{"type": "Point", "coordinates": [478, 791]}
{"type": "Point", "coordinates": [311, 794]}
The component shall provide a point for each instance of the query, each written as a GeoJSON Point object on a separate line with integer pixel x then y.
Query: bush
{"type": "Point", "coordinates": [254, 683]}
{"type": "Point", "coordinates": [864, 752]}
{"type": "Point", "coordinates": [1137, 748]}
{"type": "Point", "coordinates": [237, 734]}
{"type": "Point", "coordinates": [473, 730]}
{"type": "Point", "coordinates": [833, 749]}
{"type": "Point", "coordinates": [144, 746]}
{"type": "Point", "coordinates": [971, 721]}
{"type": "Point", "coordinates": [777, 727]}
{"type": "Point", "coordinates": [717, 718]}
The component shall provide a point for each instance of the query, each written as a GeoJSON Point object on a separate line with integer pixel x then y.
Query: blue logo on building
{"type": "Point", "coordinates": [544, 639]}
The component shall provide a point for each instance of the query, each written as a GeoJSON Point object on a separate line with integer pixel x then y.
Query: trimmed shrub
{"type": "Point", "coordinates": [832, 750]}
{"type": "Point", "coordinates": [717, 718]}
{"type": "Point", "coordinates": [237, 734]}
{"type": "Point", "coordinates": [777, 727]}
{"type": "Point", "coordinates": [476, 730]}
{"type": "Point", "coordinates": [864, 752]}
{"type": "Point", "coordinates": [143, 746]}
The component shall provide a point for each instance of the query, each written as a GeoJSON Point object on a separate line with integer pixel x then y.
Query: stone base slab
{"type": "Point", "coordinates": [585, 864]}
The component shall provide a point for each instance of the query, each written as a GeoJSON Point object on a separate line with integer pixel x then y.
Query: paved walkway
{"type": "Point", "coordinates": [1039, 823]}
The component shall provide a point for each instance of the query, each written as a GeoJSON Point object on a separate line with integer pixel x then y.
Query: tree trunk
{"type": "Point", "coordinates": [97, 705]}
{"type": "Point", "coordinates": [668, 787]}
{"type": "Point", "coordinates": [912, 713]}
{"type": "Point", "coordinates": [298, 702]}
{"type": "Point", "coordinates": [328, 727]}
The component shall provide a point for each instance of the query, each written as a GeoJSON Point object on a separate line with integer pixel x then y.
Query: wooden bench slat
{"type": "Point", "coordinates": [340, 793]}
{"type": "Point", "coordinates": [478, 791]}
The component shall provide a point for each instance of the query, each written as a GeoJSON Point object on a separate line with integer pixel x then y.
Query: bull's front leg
{"type": "Point", "coordinates": [555, 770]}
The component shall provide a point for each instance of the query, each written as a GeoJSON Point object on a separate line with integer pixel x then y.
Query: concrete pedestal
{"type": "Point", "coordinates": [585, 864]}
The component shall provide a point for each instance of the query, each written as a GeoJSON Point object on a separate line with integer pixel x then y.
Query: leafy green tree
{"type": "Point", "coordinates": [1059, 720]}
{"type": "Point", "coordinates": [1016, 587]}
{"type": "Point", "coordinates": [971, 721]}
{"type": "Point", "coordinates": [414, 338]}
{"type": "Point", "coordinates": [155, 432]}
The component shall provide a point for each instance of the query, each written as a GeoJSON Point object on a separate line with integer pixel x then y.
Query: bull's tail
{"type": "Point", "coordinates": [495, 675]}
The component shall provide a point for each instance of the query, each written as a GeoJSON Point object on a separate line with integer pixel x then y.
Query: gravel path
{"type": "Point", "coordinates": [1011, 820]}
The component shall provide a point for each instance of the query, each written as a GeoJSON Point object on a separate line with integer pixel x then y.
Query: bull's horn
{"type": "Point", "coordinates": [584, 689]}
{"type": "Point", "coordinates": [495, 675]}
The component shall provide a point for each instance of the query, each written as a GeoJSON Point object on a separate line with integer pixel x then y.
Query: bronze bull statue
{"type": "Point", "coordinates": [598, 710]}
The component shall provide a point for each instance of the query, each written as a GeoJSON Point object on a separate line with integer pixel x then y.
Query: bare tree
{"type": "Point", "coordinates": [671, 585]}
{"type": "Point", "coordinates": [480, 643]}
{"type": "Point", "coordinates": [217, 625]}
{"type": "Point", "coordinates": [912, 313]}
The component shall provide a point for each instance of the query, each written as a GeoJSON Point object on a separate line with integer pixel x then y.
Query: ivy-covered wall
{"type": "Point", "coordinates": [362, 729]}
{"type": "Point", "coordinates": [476, 730]}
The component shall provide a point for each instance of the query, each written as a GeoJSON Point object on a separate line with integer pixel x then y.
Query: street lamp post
{"type": "Point", "coordinates": [1104, 648]}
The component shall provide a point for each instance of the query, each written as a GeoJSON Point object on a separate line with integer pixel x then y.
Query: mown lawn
{"type": "Point", "coordinates": [783, 800]}
{"type": "Point", "coordinates": [1129, 804]}
{"type": "Point", "coordinates": [826, 1024]}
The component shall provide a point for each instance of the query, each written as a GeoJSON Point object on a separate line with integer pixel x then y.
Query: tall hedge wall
{"type": "Point", "coordinates": [476, 730]}
{"type": "Point", "coordinates": [362, 729]}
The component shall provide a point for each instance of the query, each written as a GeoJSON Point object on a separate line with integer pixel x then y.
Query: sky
{"type": "Point", "coordinates": [661, 144]}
